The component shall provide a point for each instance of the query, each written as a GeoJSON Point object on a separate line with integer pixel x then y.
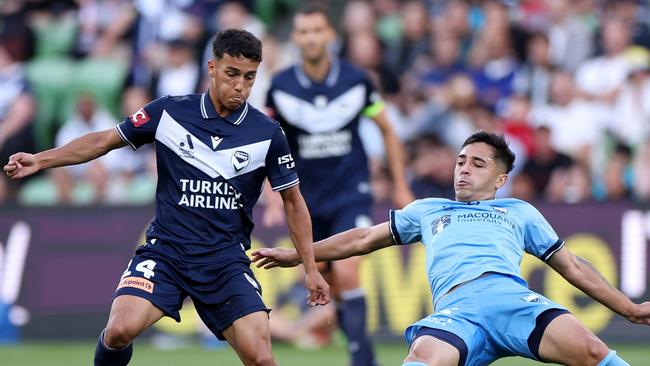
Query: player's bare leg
{"type": "Point", "coordinates": [568, 342]}
{"type": "Point", "coordinates": [130, 316]}
{"type": "Point", "coordinates": [250, 337]}
{"type": "Point", "coordinates": [346, 274]}
{"type": "Point", "coordinates": [351, 310]}
{"type": "Point", "coordinates": [431, 351]}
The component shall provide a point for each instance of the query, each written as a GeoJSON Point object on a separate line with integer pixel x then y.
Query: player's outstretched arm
{"type": "Point", "coordinates": [584, 276]}
{"type": "Point", "coordinates": [402, 194]}
{"type": "Point", "coordinates": [80, 150]}
{"type": "Point", "coordinates": [299, 223]}
{"type": "Point", "coordinates": [347, 244]}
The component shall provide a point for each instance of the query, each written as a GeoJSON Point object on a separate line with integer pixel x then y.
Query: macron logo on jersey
{"type": "Point", "coordinates": [216, 140]}
{"type": "Point", "coordinates": [139, 118]}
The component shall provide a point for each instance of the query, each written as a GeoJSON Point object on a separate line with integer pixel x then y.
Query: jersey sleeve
{"type": "Point", "coordinates": [539, 237]}
{"type": "Point", "coordinates": [374, 104]}
{"type": "Point", "coordinates": [280, 167]}
{"type": "Point", "coordinates": [405, 225]}
{"type": "Point", "coordinates": [140, 128]}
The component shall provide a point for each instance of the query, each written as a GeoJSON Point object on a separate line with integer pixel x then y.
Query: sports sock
{"type": "Point", "coordinates": [612, 359]}
{"type": "Point", "coordinates": [411, 363]}
{"type": "Point", "coordinates": [106, 356]}
{"type": "Point", "coordinates": [351, 312]}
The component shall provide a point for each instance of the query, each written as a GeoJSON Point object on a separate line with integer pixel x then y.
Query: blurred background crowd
{"type": "Point", "coordinates": [566, 81]}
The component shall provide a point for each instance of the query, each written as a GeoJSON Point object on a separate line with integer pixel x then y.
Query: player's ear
{"type": "Point", "coordinates": [211, 68]}
{"type": "Point", "coordinates": [501, 180]}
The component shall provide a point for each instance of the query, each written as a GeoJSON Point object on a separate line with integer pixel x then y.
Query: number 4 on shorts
{"type": "Point", "coordinates": [146, 267]}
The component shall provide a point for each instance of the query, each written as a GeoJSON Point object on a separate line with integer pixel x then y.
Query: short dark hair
{"type": "Point", "coordinates": [237, 43]}
{"type": "Point", "coordinates": [502, 152]}
{"type": "Point", "coordinates": [314, 8]}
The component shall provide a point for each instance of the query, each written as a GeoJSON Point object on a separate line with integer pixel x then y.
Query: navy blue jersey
{"type": "Point", "coordinates": [210, 172]}
{"type": "Point", "coordinates": [321, 121]}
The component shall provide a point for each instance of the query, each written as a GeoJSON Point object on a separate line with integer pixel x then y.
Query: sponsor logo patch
{"type": "Point", "coordinates": [288, 160]}
{"type": "Point", "coordinates": [187, 149]}
{"type": "Point", "coordinates": [136, 282]}
{"type": "Point", "coordinates": [139, 118]}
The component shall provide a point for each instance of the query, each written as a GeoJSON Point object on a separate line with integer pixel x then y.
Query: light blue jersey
{"type": "Point", "coordinates": [464, 240]}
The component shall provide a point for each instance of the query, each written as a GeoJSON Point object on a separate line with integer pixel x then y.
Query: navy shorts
{"type": "Point", "coordinates": [222, 292]}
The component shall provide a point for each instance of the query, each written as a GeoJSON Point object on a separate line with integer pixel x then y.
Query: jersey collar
{"type": "Point", "coordinates": [330, 80]}
{"type": "Point", "coordinates": [207, 111]}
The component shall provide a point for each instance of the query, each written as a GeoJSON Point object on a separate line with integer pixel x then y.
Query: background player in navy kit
{"type": "Point", "coordinates": [213, 153]}
{"type": "Point", "coordinates": [474, 245]}
{"type": "Point", "coordinates": [319, 104]}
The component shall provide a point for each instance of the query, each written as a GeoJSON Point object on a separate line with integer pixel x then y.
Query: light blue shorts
{"type": "Point", "coordinates": [493, 315]}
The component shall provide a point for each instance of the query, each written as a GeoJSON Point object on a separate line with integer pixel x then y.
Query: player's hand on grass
{"type": "Point", "coordinates": [21, 165]}
{"type": "Point", "coordinates": [319, 290]}
{"type": "Point", "coordinates": [275, 257]}
{"type": "Point", "coordinates": [641, 314]}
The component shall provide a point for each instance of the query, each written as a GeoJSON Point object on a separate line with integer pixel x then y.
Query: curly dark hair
{"type": "Point", "coordinates": [502, 152]}
{"type": "Point", "coordinates": [237, 43]}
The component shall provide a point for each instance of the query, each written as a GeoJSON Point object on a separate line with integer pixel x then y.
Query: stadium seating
{"type": "Point", "coordinates": [50, 78]}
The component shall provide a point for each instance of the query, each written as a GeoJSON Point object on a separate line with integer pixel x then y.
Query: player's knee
{"type": "Point", "coordinates": [418, 354]}
{"type": "Point", "coordinates": [118, 335]}
{"type": "Point", "coordinates": [258, 353]}
{"type": "Point", "coordinates": [263, 358]}
{"type": "Point", "coordinates": [593, 350]}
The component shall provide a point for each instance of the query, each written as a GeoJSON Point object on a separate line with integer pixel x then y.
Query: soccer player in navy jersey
{"type": "Point", "coordinates": [483, 309]}
{"type": "Point", "coordinates": [213, 153]}
{"type": "Point", "coordinates": [319, 103]}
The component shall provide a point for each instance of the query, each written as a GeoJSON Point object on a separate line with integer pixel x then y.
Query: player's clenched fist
{"type": "Point", "coordinates": [21, 165]}
{"type": "Point", "coordinates": [319, 290]}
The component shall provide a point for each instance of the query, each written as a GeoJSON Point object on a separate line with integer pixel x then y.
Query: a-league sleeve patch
{"type": "Point", "coordinates": [140, 117]}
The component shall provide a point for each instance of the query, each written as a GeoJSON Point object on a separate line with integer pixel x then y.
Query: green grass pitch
{"type": "Point", "coordinates": [389, 354]}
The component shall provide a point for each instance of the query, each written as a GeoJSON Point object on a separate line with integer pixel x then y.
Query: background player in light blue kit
{"type": "Point", "coordinates": [319, 103]}
{"type": "Point", "coordinates": [483, 309]}
{"type": "Point", "coordinates": [213, 153]}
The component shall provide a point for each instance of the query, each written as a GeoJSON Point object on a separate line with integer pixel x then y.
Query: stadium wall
{"type": "Point", "coordinates": [60, 266]}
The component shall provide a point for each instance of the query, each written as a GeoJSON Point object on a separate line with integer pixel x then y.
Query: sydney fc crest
{"type": "Point", "coordinates": [240, 160]}
{"type": "Point", "coordinates": [440, 224]}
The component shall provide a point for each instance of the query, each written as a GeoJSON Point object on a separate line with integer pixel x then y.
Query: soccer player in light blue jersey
{"type": "Point", "coordinates": [483, 309]}
{"type": "Point", "coordinates": [213, 153]}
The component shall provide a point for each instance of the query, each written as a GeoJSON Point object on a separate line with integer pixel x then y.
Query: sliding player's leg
{"type": "Point", "coordinates": [566, 340]}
